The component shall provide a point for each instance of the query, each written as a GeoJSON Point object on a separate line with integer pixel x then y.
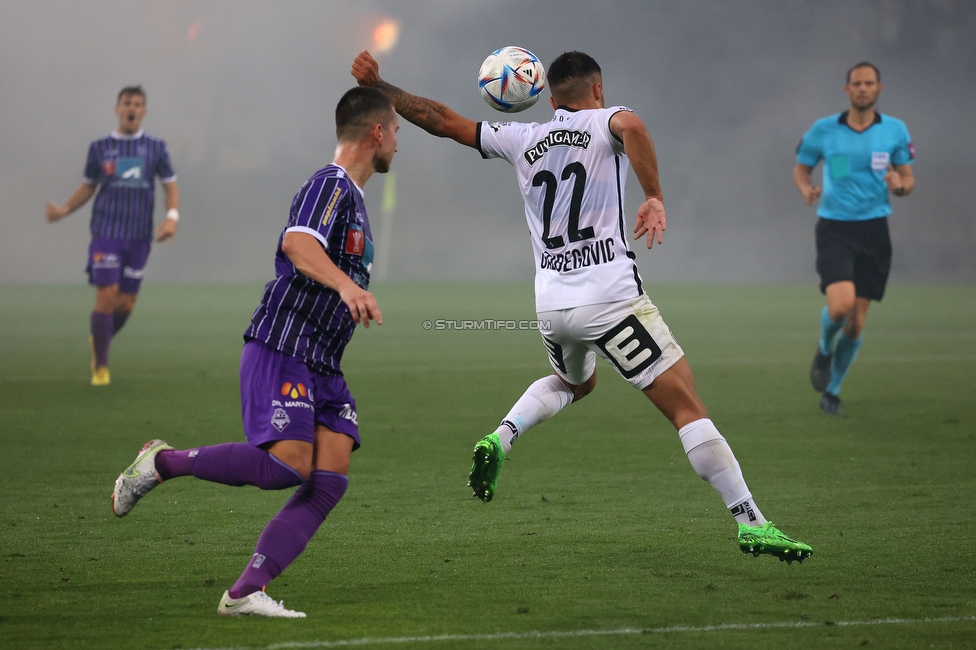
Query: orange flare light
{"type": "Point", "coordinates": [385, 36]}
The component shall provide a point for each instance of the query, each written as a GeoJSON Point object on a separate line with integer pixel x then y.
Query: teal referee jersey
{"type": "Point", "coordinates": [855, 164]}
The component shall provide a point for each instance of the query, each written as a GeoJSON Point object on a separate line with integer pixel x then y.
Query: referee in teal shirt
{"type": "Point", "coordinates": [866, 155]}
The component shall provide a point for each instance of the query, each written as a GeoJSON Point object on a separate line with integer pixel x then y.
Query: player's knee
{"type": "Point", "coordinates": [336, 462]}
{"type": "Point", "coordinates": [126, 303]}
{"type": "Point", "coordinates": [696, 412]}
{"type": "Point", "coordinates": [679, 404]}
{"type": "Point", "coordinates": [584, 389]}
{"type": "Point", "coordinates": [332, 450]}
{"type": "Point", "coordinates": [840, 309]}
{"type": "Point", "coordinates": [336, 467]}
{"type": "Point", "coordinates": [106, 298]}
{"type": "Point", "coordinates": [296, 456]}
{"type": "Point", "coordinates": [301, 465]}
{"type": "Point", "coordinates": [853, 328]}
{"type": "Point", "coordinates": [686, 409]}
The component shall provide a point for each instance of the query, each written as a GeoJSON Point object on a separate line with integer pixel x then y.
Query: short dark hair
{"type": "Point", "coordinates": [359, 109]}
{"type": "Point", "coordinates": [131, 90]}
{"type": "Point", "coordinates": [571, 74]}
{"type": "Point", "coordinates": [864, 64]}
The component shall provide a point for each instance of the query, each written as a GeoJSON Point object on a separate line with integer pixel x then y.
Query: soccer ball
{"type": "Point", "coordinates": [511, 79]}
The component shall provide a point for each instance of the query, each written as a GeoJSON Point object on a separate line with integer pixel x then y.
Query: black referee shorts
{"type": "Point", "coordinates": [856, 251]}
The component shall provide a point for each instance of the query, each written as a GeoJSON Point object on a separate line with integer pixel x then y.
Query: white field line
{"type": "Point", "coordinates": [626, 631]}
{"type": "Point", "coordinates": [540, 364]}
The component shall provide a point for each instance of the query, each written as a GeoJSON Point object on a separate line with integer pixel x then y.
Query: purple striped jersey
{"type": "Point", "coordinates": [297, 315]}
{"type": "Point", "coordinates": [126, 167]}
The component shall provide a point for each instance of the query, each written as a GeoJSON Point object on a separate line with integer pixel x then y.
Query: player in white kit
{"type": "Point", "coordinates": [571, 172]}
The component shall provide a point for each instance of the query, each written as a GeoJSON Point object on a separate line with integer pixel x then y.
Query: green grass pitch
{"type": "Point", "coordinates": [601, 535]}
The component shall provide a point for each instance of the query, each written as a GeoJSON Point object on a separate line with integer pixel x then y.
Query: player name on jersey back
{"type": "Point", "coordinates": [599, 252]}
{"type": "Point", "coordinates": [561, 137]}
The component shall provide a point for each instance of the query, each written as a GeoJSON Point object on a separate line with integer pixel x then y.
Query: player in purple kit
{"type": "Point", "coordinates": [299, 417]}
{"type": "Point", "coordinates": [126, 164]}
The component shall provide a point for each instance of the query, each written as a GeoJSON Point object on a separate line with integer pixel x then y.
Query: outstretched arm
{"type": "Point", "coordinates": [308, 256]}
{"type": "Point", "coordinates": [433, 117]}
{"type": "Point", "coordinates": [55, 212]}
{"type": "Point", "coordinates": [651, 218]}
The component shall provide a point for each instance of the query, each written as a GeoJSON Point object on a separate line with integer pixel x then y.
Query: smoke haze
{"type": "Point", "coordinates": [244, 95]}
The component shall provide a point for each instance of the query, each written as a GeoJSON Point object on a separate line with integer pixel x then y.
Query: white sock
{"type": "Point", "coordinates": [713, 460]}
{"type": "Point", "coordinates": [539, 402]}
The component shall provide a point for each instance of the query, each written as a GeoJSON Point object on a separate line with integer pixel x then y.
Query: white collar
{"type": "Point", "coordinates": [135, 136]}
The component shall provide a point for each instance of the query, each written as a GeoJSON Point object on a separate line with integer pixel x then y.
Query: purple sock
{"type": "Point", "coordinates": [101, 330]}
{"type": "Point", "coordinates": [118, 320]}
{"type": "Point", "coordinates": [175, 462]}
{"type": "Point", "coordinates": [287, 534]}
{"type": "Point", "coordinates": [232, 463]}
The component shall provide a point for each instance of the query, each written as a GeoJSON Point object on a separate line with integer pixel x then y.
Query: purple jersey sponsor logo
{"type": "Point", "coordinates": [129, 173]}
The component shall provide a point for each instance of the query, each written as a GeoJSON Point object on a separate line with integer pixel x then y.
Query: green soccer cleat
{"type": "Point", "coordinates": [767, 539]}
{"type": "Point", "coordinates": [487, 465]}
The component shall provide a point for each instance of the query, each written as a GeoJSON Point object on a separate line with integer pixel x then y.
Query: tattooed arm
{"type": "Point", "coordinates": [433, 117]}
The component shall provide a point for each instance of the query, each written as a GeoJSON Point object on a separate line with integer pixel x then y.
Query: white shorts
{"type": "Point", "coordinates": [630, 335]}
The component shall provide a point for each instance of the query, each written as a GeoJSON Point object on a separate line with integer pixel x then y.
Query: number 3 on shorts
{"type": "Point", "coordinates": [629, 347]}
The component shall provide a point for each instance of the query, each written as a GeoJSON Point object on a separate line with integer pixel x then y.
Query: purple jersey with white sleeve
{"type": "Point", "coordinates": [297, 315]}
{"type": "Point", "coordinates": [126, 167]}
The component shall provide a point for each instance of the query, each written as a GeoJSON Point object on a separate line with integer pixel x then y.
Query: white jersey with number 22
{"type": "Point", "coordinates": [571, 172]}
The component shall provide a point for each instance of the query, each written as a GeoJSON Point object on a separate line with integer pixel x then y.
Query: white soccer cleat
{"type": "Point", "coordinates": [256, 604]}
{"type": "Point", "coordinates": [137, 479]}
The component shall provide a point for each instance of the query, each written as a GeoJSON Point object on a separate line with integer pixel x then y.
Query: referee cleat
{"type": "Point", "coordinates": [101, 376]}
{"type": "Point", "coordinates": [138, 478]}
{"type": "Point", "coordinates": [256, 604]}
{"type": "Point", "coordinates": [820, 370]}
{"type": "Point", "coordinates": [767, 540]}
{"type": "Point", "coordinates": [830, 404]}
{"type": "Point", "coordinates": [488, 459]}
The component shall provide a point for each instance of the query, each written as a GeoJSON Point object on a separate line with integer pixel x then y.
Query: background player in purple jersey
{"type": "Point", "coordinates": [299, 418]}
{"type": "Point", "coordinates": [126, 164]}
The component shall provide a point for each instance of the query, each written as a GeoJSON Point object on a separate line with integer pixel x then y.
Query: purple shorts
{"type": "Point", "coordinates": [117, 261]}
{"type": "Point", "coordinates": [282, 399]}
